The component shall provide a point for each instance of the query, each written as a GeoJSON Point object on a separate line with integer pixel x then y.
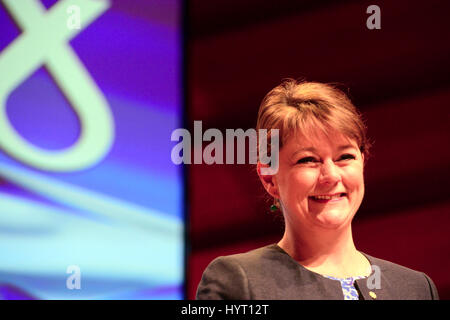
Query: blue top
{"type": "Point", "coordinates": [348, 287]}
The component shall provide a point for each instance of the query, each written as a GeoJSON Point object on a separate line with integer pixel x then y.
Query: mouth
{"type": "Point", "coordinates": [325, 198]}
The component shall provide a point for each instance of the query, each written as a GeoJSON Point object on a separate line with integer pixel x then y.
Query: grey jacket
{"type": "Point", "coordinates": [270, 273]}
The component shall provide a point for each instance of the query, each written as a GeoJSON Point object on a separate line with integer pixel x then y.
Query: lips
{"type": "Point", "coordinates": [324, 198]}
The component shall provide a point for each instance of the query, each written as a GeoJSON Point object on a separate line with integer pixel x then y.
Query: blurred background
{"type": "Point", "coordinates": [91, 206]}
{"type": "Point", "coordinates": [398, 76]}
{"type": "Point", "coordinates": [89, 196]}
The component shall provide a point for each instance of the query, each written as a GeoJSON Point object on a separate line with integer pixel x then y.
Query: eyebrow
{"type": "Point", "coordinates": [346, 146]}
{"type": "Point", "coordinates": [312, 149]}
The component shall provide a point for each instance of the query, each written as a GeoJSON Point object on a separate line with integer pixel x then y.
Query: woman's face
{"type": "Point", "coordinates": [320, 180]}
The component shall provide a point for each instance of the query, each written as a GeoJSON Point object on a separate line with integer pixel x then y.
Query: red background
{"type": "Point", "coordinates": [399, 77]}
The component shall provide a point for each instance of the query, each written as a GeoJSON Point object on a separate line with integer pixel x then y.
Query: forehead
{"type": "Point", "coordinates": [318, 139]}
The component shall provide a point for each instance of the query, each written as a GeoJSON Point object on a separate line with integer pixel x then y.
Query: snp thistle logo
{"type": "Point", "coordinates": [45, 42]}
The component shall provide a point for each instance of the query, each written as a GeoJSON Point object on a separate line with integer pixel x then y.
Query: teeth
{"type": "Point", "coordinates": [327, 197]}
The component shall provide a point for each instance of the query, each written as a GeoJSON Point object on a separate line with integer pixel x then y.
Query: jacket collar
{"type": "Point", "coordinates": [374, 287]}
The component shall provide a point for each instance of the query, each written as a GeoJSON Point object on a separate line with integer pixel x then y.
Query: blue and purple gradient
{"type": "Point", "coordinates": [121, 221]}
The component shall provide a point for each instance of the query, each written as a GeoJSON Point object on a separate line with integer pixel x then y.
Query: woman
{"type": "Point", "coordinates": [318, 187]}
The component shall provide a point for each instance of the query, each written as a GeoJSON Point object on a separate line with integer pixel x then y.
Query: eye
{"type": "Point", "coordinates": [307, 160]}
{"type": "Point", "coordinates": [347, 156]}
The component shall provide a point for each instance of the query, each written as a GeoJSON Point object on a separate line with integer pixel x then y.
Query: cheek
{"type": "Point", "coordinates": [301, 184]}
{"type": "Point", "coordinates": [354, 178]}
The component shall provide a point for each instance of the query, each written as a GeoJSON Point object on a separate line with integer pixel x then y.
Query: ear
{"type": "Point", "coordinates": [269, 181]}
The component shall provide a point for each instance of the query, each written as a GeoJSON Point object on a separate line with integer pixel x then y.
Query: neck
{"type": "Point", "coordinates": [330, 252]}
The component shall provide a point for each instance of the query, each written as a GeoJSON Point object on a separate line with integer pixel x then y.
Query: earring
{"type": "Point", "coordinates": [274, 207]}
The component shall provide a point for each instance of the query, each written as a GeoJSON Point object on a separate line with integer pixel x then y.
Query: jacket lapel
{"type": "Point", "coordinates": [376, 286]}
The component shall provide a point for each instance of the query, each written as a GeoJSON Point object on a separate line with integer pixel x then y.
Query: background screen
{"type": "Point", "coordinates": [90, 202]}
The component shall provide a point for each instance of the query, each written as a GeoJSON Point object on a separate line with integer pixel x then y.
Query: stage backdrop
{"type": "Point", "coordinates": [90, 202]}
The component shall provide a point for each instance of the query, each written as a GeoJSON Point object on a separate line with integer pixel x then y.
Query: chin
{"type": "Point", "coordinates": [333, 219]}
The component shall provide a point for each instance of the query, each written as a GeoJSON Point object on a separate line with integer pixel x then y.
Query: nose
{"type": "Point", "coordinates": [329, 173]}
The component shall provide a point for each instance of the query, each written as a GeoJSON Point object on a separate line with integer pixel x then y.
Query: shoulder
{"type": "Point", "coordinates": [253, 257]}
{"type": "Point", "coordinates": [404, 282]}
{"type": "Point", "coordinates": [228, 277]}
{"type": "Point", "coordinates": [395, 271]}
{"type": "Point", "coordinates": [251, 262]}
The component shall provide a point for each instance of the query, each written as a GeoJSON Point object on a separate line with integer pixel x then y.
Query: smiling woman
{"type": "Point", "coordinates": [318, 188]}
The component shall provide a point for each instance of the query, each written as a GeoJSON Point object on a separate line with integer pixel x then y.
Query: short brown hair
{"type": "Point", "coordinates": [300, 105]}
